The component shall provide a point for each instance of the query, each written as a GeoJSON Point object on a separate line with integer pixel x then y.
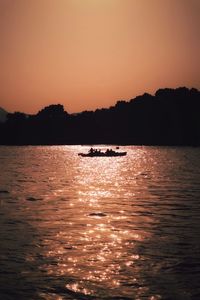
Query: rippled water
{"type": "Point", "coordinates": [99, 228]}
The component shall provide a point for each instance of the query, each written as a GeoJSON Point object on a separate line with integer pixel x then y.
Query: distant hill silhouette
{"type": "Point", "coordinates": [170, 117]}
{"type": "Point", "coordinates": [3, 115]}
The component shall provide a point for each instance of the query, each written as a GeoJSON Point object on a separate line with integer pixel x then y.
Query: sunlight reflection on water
{"type": "Point", "coordinates": [101, 227]}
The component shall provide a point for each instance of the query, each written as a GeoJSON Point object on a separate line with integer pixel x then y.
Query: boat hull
{"type": "Point", "coordinates": [102, 154]}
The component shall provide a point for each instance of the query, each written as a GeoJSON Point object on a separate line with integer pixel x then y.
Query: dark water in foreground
{"type": "Point", "coordinates": [99, 228]}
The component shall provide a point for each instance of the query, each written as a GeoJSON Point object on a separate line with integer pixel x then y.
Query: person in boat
{"type": "Point", "coordinates": [91, 150]}
{"type": "Point", "coordinates": [97, 151]}
{"type": "Point", "coordinates": [94, 151]}
{"type": "Point", "coordinates": [109, 151]}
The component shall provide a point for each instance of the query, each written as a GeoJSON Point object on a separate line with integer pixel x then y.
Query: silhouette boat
{"type": "Point", "coordinates": [98, 153]}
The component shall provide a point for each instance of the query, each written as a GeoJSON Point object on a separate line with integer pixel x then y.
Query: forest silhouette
{"type": "Point", "coordinates": [171, 117]}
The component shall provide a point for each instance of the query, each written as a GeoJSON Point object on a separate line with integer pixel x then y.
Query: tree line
{"type": "Point", "coordinates": [170, 117]}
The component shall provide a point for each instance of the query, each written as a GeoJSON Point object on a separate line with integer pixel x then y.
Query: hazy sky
{"type": "Point", "coordinates": [87, 54]}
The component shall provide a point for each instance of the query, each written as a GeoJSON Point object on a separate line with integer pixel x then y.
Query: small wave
{"type": "Point", "coordinates": [33, 199]}
{"type": "Point", "coordinates": [97, 214]}
{"type": "Point", "coordinates": [68, 291]}
{"type": "Point", "coordinates": [4, 192]}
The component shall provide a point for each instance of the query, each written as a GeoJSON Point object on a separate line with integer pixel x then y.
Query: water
{"type": "Point", "coordinates": [99, 228]}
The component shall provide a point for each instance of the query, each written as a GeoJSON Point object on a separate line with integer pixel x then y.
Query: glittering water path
{"type": "Point", "coordinates": [100, 228]}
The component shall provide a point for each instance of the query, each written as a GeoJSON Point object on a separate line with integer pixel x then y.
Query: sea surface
{"type": "Point", "coordinates": [74, 227]}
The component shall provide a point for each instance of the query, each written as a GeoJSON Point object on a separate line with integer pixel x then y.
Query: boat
{"type": "Point", "coordinates": [98, 153]}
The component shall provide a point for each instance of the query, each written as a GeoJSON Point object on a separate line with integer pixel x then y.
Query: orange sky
{"type": "Point", "coordinates": [87, 54]}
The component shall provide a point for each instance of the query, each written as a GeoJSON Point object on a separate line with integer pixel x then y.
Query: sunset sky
{"type": "Point", "coordinates": [87, 54]}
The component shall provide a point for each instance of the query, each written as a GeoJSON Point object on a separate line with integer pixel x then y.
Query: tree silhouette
{"type": "Point", "coordinates": [171, 117]}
